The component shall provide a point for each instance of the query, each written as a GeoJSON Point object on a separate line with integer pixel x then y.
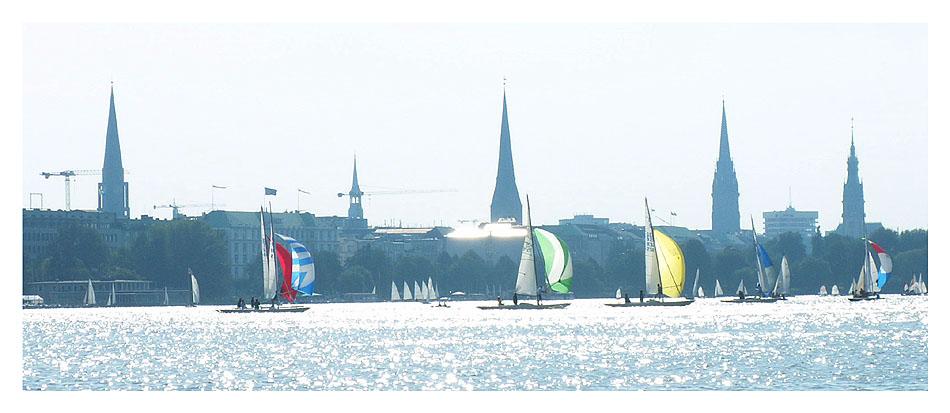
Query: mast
{"type": "Point", "coordinates": [534, 252]}
{"type": "Point", "coordinates": [270, 254]}
{"type": "Point", "coordinates": [650, 243]}
{"type": "Point", "coordinates": [758, 259]}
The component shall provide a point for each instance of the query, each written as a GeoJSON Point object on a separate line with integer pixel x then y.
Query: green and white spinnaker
{"type": "Point", "coordinates": [558, 267]}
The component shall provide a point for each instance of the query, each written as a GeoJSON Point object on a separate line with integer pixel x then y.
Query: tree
{"type": "Point", "coordinates": [77, 253]}
{"type": "Point", "coordinates": [167, 250]}
{"type": "Point", "coordinates": [888, 239]}
{"type": "Point", "coordinates": [329, 272]}
{"type": "Point", "coordinates": [625, 269]}
{"type": "Point", "coordinates": [696, 256]}
{"type": "Point", "coordinates": [373, 260]}
{"type": "Point", "coordinates": [913, 239]}
{"type": "Point", "coordinates": [787, 244]}
{"type": "Point", "coordinates": [469, 273]}
{"type": "Point", "coordinates": [589, 279]}
{"type": "Point", "coordinates": [356, 279]}
{"type": "Point", "coordinates": [726, 263]}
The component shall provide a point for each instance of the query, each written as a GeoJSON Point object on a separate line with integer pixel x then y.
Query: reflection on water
{"type": "Point", "coordinates": [806, 343]}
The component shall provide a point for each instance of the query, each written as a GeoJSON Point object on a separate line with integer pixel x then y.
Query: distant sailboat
{"type": "Point", "coordinates": [741, 288]}
{"type": "Point", "coordinates": [416, 291]}
{"type": "Point", "coordinates": [701, 293]}
{"type": "Point", "coordinates": [851, 288]}
{"type": "Point", "coordinates": [872, 279]}
{"type": "Point", "coordinates": [834, 290]}
{"type": "Point", "coordinates": [395, 292]}
{"type": "Point", "coordinates": [111, 301]}
{"type": "Point", "coordinates": [782, 283]}
{"type": "Point", "coordinates": [374, 290]}
{"type": "Point", "coordinates": [90, 298]}
{"type": "Point", "coordinates": [618, 294]}
{"type": "Point", "coordinates": [823, 291]}
{"type": "Point", "coordinates": [431, 291]}
{"type": "Point", "coordinates": [166, 296]}
{"type": "Point", "coordinates": [718, 292]}
{"type": "Point", "coordinates": [195, 294]}
{"type": "Point", "coordinates": [696, 284]}
{"type": "Point", "coordinates": [406, 292]}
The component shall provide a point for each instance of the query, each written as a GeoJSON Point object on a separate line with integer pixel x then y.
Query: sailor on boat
{"type": "Point", "coordinates": [499, 301]}
{"type": "Point", "coordinates": [626, 298]}
{"type": "Point", "coordinates": [641, 296]}
{"type": "Point", "coordinates": [514, 299]}
{"type": "Point", "coordinates": [741, 295]}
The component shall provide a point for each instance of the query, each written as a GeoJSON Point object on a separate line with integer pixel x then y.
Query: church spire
{"type": "Point", "coordinates": [506, 203]}
{"type": "Point", "coordinates": [356, 196]}
{"type": "Point", "coordinates": [725, 188]}
{"type": "Point", "coordinates": [852, 214]}
{"type": "Point", "coordinates": [113, 190]}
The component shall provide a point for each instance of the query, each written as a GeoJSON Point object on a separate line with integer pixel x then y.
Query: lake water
{"type": "Point", "coordinates": [805, 343]}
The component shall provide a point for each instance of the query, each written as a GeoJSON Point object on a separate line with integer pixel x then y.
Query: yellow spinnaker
{"type": "Point", "coordinates": [672, 264]}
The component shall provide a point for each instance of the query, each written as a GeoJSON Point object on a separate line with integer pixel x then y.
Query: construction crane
{"type": "Point", "coordinates": [68, 174]}
{"type": "Point", "coordinates": [400, 192]}
{"type": "Point", "coordinates": [175, 207]}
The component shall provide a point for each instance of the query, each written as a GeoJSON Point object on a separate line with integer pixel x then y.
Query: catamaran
{"type": "Point", "coordinates": [297, 270]}
{"type": "Point", "coordinates": [872, 279]}
{"type": "Point", "coordinates": [558, 270]}
{"type": "Point", "coordinates": [665, 269]}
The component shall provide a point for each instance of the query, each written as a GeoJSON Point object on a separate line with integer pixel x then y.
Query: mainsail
{"type": "Point", "coordinates": [395, 292]}
{"type": "Point", "coordinates": [650, 261]}
{"type": "Point", "coordinates": [558, 267]}
{"type": "Point", "coordinates": [195, 294]}
{"type": "Point", "coordinates": [741, 288]}
{"type": "Point", "coordinates": [834, 290]}
{"type": "Point", "coordinates": [272, 269]}
{"type": "Point", "coordinates": [425, 291]}
{"type": "Point", "coordinates": [416, 291]}
{"type": "Point", "coordinates": [527, 283]}
{"type": "Point", "coordinates": [111, 300]}
{"type": "Point", "coordinates": [270, 278]}
{"type": "Point", "coordinates": [764, 267]}
{"type": "Point", "coordinates": [432, 294]}
{"type": "Point", "coordinates": [303, 277]}
{"type": "Point", "coordinates": [618, 294]}
{"type": "Point", "coordinates": [718, 291]}
{"type": "Point", "coordinates": [781, 283]}
{"type": "Point", "coordinates": [406, 292]}
{"type": "Point", "coordinates": [90, 298]}
{"type": "Point", "coordinates": [701, 293]}
{"type": "Point", "coordinates": [823, 291]}
{"type": "Point", "coordinates": [166, 296]}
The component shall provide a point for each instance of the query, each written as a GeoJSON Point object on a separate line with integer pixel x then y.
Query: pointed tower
{"type": "Point", "coordinates": [113, 191]}
{"type": "Point", "coordinates": [725, 188]}
{"type": "Point", "coordinates": [505, 203]}
{"type": "Point", "coordinates": [852, 217]}
{"type": "Point", "coordinates": [356, 197]}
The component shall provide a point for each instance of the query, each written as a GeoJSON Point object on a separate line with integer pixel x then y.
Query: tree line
{"type": "Point", "coordinates": [165, 251]}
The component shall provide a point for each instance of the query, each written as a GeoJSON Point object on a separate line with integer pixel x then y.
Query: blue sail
{"type": "Point", "coordinates": [770, 274]}
{"type": "Point", "coordinates": [302, 277]}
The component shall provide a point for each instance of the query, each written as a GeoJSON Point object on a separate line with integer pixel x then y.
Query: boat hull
{"type": "Point", "coordinates": [294, 309]}
{"type": "Point", "coordinates": [524, 306]}
{"type": "Point", "coordinates": [864, 298]}
{"type": "Point", "coordinates": [652, 303]}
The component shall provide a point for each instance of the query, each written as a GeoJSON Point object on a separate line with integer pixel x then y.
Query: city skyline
{"type": "Point", "coordinates": [627, 151]}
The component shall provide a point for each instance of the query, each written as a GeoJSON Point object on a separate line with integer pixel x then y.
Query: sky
{"type": "Point", "coordinates": [601, 115]}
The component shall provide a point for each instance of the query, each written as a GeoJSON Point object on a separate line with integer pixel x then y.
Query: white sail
{"type": "Point", "coordinates": [718, 292]}
{"type": "Point", "coordinates": [851, 288]}
{"type": "Point", "coordinates": [696, 284]}
{"type": "Point", "coordinates": [406, 292]}
{"type": "Point", "coordinates": [395, 292]}
{"type": "Point", "coordinates": [90, 298]}
{"type": "Point", "coordinates": [652, 276]}
{"type": "Point", "coordinates": [701, 293]}
{"type": "Point", "coordinates": [111, 300]}
{"type": "Point", "coordinates": [374, 290]}
{"type": "Point", "coordinates": [432, 294]}
{"type": "Point", "coordinates": [834, 290]}
{"type": "Point", "coordinates": [923, 285]}
{"type": "Point", "coordinates": [272, 250]}
{"type": "Point", "coordinates": [762, 282]}
{"type": "Point", "coordinates": [425, 291]}
{"type": "Point", "coordinates": [823, 291]}
{"type": "Point", "coordinates": [783, 283]}
{"type": "Point", "coordinates": [437, 290]}
{"type": "Point", "coordinates": [741, 287]}
{"type": "Point", "coordinates": [618, 294]}
{"type": "Point", "coordinates": [527, 283]}
{"type": "Point", "coordinates": [416, 291]}
{"type": "Point", "coordinates": [166, 296]}
{"type": "Point", "coordinates": [195, 294]}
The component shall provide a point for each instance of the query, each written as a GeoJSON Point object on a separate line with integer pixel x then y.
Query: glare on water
{"type": "Point", "coordinates": [805, 343]}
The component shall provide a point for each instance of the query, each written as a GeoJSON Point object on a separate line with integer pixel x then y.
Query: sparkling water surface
{"type": "Point", "coordinates": [805, 343]}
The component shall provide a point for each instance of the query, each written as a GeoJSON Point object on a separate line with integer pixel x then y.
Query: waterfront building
{"type": "Point", "coordinates": [113, 190]}
{"type": "Point", "coordinates": [127, 292]}
{"type": "Point", "coordinates": [505, 202]}
{"type": "Point", "coordinates": [725, 187]}
{"type": "Point", "coordinates": [790, 220]}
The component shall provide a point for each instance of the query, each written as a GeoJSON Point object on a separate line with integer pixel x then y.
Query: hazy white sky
{"type": "Point", "coordinates": [601, 115]}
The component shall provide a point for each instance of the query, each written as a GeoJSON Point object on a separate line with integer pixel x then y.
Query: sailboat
{"type": "Point", "coordinates": [834, 290]}
{"type": "Point", "coordinates": [741, 288]}
{"type": "Point", "coordinates": [618, 295]}
{"type": "Point", "coordinates": [195, 295]}
{"type": "Point", "coordinates": [766, 277]}
{"type": "Point", "coordinates": [166, 296]}
{"type": "Point", "coordinates": [111, 301]}
{"type": "Point", "coordinates": [431, 291]}
{"type": "Point", "coordinates": [271, 253]}
{"type": "Point", "coordinates": [851, 288]}
{"type": "Point", "coordinates": [696, 284]}
{"type": "Point", "coordinates": [822, 291]}
{"type": "Point", "coordinates": [558, 270]}
{"type": "Point", "coordinates": [665, 268]}
{"type": "Point", "coordinates": [394, 292]}
{"type": "Point", "coordinates": [872, 279]}
{"type": "Point", "coordinates": [923, 285]}
{"type": "Point", "coordinates": [416, 291]}
{"type": "Point", "coordinates": [90, 298]}
{"type": "Point", "coordinates": [783, 281]}
{"type": "Point", "coordinates": [718, 292]}
{"type": "Point", "coordinates": [406, 292]}
{"type": "Point", "coordinates": [701, 293]}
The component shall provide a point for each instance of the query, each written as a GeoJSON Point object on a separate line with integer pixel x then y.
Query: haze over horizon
{"type": "Point", "coordinates": [601, 115]}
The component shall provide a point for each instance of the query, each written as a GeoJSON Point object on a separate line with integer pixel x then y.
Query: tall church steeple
{"type": "Point", "coordinates": [113, 191]}
{"type": "Point", "coordinates": [725, 188]}
{"type": "Point", "coordinates": [505, 203]}
{"type": "Point", "coordinates": [852, 216]}
{"type": "Point", "coordinates": [356, 196]}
